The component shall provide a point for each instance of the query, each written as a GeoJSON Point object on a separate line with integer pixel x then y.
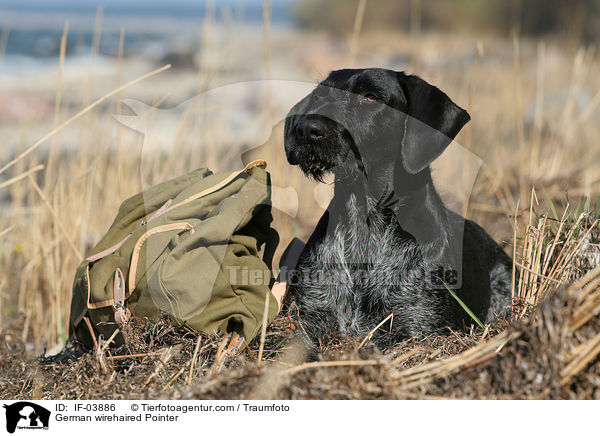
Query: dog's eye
{"type": "Point", "coordinates": [370, 97]}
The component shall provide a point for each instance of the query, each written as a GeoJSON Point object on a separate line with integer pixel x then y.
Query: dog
{"type": "Point", "coordinates": [386, 248]}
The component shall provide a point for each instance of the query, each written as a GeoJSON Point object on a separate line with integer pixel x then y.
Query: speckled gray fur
{"type": "Point", "coordinates": [386, 234]}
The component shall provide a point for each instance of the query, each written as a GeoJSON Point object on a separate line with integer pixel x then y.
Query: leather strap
{"type": "Point", "coordinates": [222, 183]}
{"type": "Point", "coordinates": [115, 247]}
{"type": "Point", "coordinates": [122, 314]}
{"type": "Point", "coordinates": [108, 251]}
{"type": "Point", "coordinates": [235, 344]}
{"type": "Point", "coordinates": [138, 246]}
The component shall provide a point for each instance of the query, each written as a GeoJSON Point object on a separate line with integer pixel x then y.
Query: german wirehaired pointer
{"type": "Point", "coordinates": [387, 244]}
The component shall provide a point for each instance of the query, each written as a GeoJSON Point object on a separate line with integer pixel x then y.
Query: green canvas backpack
{"type": "Point", "coordinates": [188, 247]}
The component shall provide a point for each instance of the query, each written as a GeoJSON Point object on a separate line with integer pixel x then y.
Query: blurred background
{"type": "Point", "coordinates": [72, 147]}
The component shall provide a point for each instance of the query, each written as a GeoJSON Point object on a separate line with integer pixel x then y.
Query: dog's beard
{"type": "Point", "coordinates": [312, 165]}
{"type": "Point", "coordinates": [317, 160]}
{"type": "Point", "coordinates": [314, 168]}
{"type": "Point", "coordinates": [337, 151]}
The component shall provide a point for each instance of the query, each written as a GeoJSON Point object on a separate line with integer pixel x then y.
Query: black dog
{"type": "Point", "coordinates": [387, 244]}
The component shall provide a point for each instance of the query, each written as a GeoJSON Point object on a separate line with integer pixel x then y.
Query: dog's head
{"type": "Point", "coordinates": [357, 121]}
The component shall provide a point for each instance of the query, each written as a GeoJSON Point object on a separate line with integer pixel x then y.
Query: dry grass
{"type": "Point", "coordinates": [534, 131]}
{"type": "Point", "coordinates": [550, 354]}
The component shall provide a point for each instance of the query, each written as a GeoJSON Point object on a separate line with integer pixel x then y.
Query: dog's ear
{"type": "Point", "coordinates": [432, 123]}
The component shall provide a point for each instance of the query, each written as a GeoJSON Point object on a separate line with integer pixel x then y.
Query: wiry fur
{"type": "Point", "coordinates": [386, 231]}
{"type": "Point", "coordinates": [347, 284]}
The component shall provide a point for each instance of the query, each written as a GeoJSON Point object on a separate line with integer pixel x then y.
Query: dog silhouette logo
{"type": "Point", "coordinates": [26, 415]}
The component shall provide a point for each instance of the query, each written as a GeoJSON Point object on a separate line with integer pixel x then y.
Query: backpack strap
{"type": "Point", "coordinates": [122, 314]}
{"type": "Point", "coordinates": [133, 263]}
{"type": "Point", "coordinates": [108, 251]}
{"type": "Point", "coordinates": [222, 183]}
{"type": "Point", "coordinates": [115, 247]}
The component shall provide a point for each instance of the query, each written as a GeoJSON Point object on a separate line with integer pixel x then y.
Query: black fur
{"type": "Point", "coordinates": [387, 244]}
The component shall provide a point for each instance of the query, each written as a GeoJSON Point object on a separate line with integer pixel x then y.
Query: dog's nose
{"type": "Point", "coordinates": [310, 129]}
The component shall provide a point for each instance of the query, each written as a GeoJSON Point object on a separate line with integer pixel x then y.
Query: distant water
{"type": "Point", "coordinates": [281, 10]}
{"type": "Point", "coordinates": [36, 25]}
{"type": "Point", "coordinates": [182, 8]}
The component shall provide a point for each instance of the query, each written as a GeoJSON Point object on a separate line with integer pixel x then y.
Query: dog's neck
{"type": "Point", "coordinates": [413, 204]}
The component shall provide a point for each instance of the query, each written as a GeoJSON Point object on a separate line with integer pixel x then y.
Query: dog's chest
{"type": "Point", "coordinates": [362, 268]}
{"type": "Point", "coordinates": [364, 256]}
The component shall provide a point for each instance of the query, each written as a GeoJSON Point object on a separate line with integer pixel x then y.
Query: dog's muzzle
{"type": "Point", "coordinates": [306, 133]}
{"type": "Point", "coordinates": [316, 143]}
